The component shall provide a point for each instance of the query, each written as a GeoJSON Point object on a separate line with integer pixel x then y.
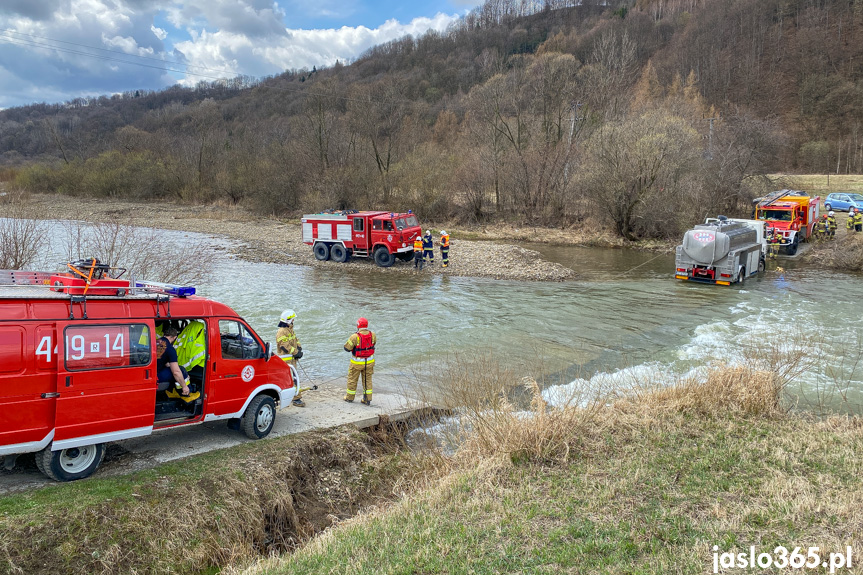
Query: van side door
{"type": "Point", "coordinates": [106, 378]}
{"type": "Point", "coordinates": [239, 366]}
{"type": "Point", "coordinates": [28, 386]}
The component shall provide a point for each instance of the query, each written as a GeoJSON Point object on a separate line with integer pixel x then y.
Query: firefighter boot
{"type": "Point", "coordinates": [297, 402]}
{"type": "Point", "coordinates": [366, 400]}
{"type": "Point", "coordinates": [349, 398]}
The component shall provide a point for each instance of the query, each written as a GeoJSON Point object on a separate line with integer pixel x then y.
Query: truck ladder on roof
{"type": "Point", "coordinates": [20, 277]}
{"type": "Point", "coordinates": [772, 197]}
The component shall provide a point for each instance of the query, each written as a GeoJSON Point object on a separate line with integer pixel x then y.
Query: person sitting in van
{"type": "Point", "coordinates": [169, 373]}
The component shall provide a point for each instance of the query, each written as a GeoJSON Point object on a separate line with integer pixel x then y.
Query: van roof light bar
{"type": "Point", "coordinates": [168, 289]}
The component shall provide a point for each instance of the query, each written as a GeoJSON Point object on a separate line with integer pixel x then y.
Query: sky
{"type": "Point", "coordinates": [57, 50]}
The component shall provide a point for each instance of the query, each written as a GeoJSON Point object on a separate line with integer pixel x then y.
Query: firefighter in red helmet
{"type": "Point", "coordinates": [362, 347]}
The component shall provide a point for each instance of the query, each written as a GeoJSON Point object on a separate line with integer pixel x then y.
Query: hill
{"type": "Point", "coordinates": [645, 115]}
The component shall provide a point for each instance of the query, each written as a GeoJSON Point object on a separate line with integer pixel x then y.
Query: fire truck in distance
{"type": "Point", "coordinates": [78, 366]}
{"type": "Point", "coordinates": [791, 214]}
{"type": "Point", "coordinates": [341, 235]}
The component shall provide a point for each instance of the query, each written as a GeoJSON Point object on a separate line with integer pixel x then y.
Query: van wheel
{"type": "Point", "coordinates": [322, 251]}
{"type": "Point", "coordinates": [259, 417]}
{"type": "Point", "coordinates": [339, 253]}
{"type": "Point", "coordinates": [70, 464]}
{"type": "Point", "coordinates": [384, 258]}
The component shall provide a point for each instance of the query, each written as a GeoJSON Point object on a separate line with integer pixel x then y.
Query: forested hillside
{"type": "Point", "coordinates": [646, 114]}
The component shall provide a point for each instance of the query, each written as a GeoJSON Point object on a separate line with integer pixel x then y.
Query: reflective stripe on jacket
{"type": "Point", "coordinates": [191, 345]}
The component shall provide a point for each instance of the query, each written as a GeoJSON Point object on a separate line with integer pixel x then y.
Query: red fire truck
{"type": "Point", "coordinates": [383, 236]}
{"type": "Point", "coordinates": [78, 368]}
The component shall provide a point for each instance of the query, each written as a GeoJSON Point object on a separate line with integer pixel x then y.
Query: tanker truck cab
{"type": "Point", "coordinates": [80, 371]}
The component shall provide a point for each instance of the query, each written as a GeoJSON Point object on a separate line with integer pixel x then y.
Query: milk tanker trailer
{"type": "Point", "coordinates": [721, 251]}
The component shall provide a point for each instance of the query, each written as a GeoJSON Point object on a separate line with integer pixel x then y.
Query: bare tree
{"type": "Point", "coordinates": [21, 238]}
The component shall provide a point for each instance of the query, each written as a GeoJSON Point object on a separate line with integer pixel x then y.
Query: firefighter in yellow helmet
{"type": "Point", "coordinates": [288, 346]}
{"type": "Point", "coordinates": [362, 347]}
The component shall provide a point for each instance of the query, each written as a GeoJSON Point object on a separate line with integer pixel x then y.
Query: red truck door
{"type": "Point", "coordinates": [28, 385]}
{"type": "Point", "coordinates": [106, 378]}
{"type": "Point", "coordinates": [383, 232]}
{"type": "Point", "coordinates": [361, 234]}
{"type": "Point", "coordinates": [238, 366]}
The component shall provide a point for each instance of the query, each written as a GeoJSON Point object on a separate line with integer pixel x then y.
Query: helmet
{"type": "Point", "coordinates": [443, 233]}
{"type": "Point", "coordinates": [362, 322]}
{"type": "Point", "coordinates": [830, 213]}
{"type": "Point", "coordinates": [287, 316]}
{"type": "Point", "coordinates": [824, 217]}
{"type": "Point", "coordinates": [428, 232]}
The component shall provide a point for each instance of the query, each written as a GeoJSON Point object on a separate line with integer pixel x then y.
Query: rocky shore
{"type": "Point", "coordinates": [279, 241]}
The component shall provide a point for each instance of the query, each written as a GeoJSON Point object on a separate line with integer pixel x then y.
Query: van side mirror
{"type": "Point", "coordinates": [267, 353]}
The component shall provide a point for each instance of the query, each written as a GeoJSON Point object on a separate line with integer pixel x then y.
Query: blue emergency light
{"type": "Point", "coordinates": [169, 289]}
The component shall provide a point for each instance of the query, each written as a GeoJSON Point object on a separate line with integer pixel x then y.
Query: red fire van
{"type": "Point", "coordinates": [78, 370]}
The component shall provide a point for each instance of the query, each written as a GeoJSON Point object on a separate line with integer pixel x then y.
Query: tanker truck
{"type": "Point", "coordinates": [722, 251]}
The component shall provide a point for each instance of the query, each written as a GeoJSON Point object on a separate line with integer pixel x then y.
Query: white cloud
{"type": "Point", "coordinates": [158, 32]}
{"type": "Point", "coordinates": [299, 48]}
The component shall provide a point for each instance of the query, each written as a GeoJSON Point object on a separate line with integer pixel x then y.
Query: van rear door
{"type": "Point", "coordinates": [106, 378]}
{"type": "Point", "coordinates": [28, 385]}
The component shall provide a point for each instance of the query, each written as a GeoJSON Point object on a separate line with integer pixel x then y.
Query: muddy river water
{"type": "Point", "coordinates": [624, 318]}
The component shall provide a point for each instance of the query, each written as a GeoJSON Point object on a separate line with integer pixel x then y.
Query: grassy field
{"type": "Point", "coordinates": [821, 185]}
{"type": "Point", "coordinates": [647, 485]}
{"type": "Point", "coordinates": [201, 513]}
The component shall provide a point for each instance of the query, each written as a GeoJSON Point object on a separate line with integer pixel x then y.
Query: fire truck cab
{"type": "Point", "coordinates": [340, 235]}
{"type": "Point", "coordinates": [78, 369]}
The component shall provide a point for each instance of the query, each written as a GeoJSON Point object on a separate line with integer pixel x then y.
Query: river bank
{"type": "Point", "coordinates": [273, 240]}
{"type": "Point", "coordinates": [648, 482]}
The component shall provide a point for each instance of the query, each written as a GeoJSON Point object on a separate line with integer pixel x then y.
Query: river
{"type": "Point", "coordinates": [624, 317]}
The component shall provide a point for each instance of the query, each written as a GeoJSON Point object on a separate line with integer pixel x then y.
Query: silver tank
{"type": "Point", "coordinates": [709, 243]}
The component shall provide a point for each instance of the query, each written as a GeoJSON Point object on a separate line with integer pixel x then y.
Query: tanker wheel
{"type": "Point", "coordinates": [322, 251]}
{"type": "Point", "coordinates": [70, 464]}
{"type": "Point", "coordinates": [762, 265]}
{"type": "Point", "coordinates": [384, 258]}
{"type": "Point", "coordinates": [339, 253]}
{"type": "Point", "coordinates": [741, 275]}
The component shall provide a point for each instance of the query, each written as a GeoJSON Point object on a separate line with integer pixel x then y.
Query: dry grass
{"type": "Point", "coordinates": [845, 253]}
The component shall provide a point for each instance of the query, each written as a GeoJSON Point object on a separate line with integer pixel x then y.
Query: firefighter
{"type": "Point", "coordinates": [858, 221]}
{"type": "Point", "coordinates": [831, 224]}
{"type": "Point", "coordinates": [850, 222]}
{"type": "Point", "coordinates": [820, 228]}
{"type": "Point", "coordinates": [774, 239]}
{"type": "Point", "coordinates": [428, 247]}
{"type": "Point", "coordinates": [288, 346]}
{"type": "Point", "coordinates": [191, 348]}
{"type": "Point", "coordinates": [418, 252]}
{"type": "Point", "coordinates": [362, 347]}
{"type": "Point", "coordinates": [444, 248]}
{"type": "Point", "coordinates": [169, 371]}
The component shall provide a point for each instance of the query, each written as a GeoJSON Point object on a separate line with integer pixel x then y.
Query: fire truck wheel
{"type": "Point", "coordinates": [792, 248]}
{"type": "Point", "coordinates": [70, 464]}
{"type": "Point", "coordinates": [259, 417]}
{"type": "Point", "coordinates": [384, 258]}
{"type": "Point", "coordinates": [339, 253]}
{"type": "Point", "coordinates": [322, 251]}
